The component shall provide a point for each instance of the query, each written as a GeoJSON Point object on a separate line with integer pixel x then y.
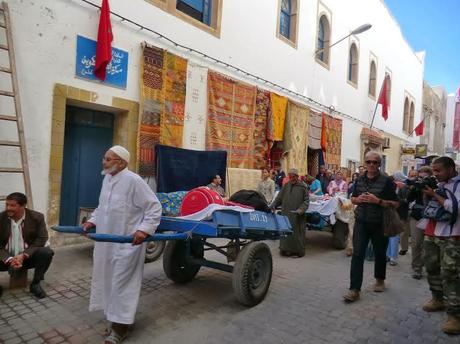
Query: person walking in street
{"type": "Point", "coordinates": [373, 192]}
{"type": "Point", "coordinates": [442, 246]}
{"type": "Point", "coordinates": [127, 206]}
{"type": "Point", "coordinates": [338, 185]}
{"type": "Point", "coordinates": [323, 178]}
{"type": "Point", "coordinates": [267, 186]}
{"type": "Point", "coordinates": [23, 241]}
{"type": "Point", "coordinates": [293, 199]}
{"type": "Point", "coordinates": [417, 203]}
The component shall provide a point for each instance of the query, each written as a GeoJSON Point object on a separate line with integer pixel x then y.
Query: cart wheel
{"type": "Point", "coordinates": [252, 273]}
{"type": "Point", "coordinates": [154, 250]}
{"type": "Point", "coordinates": [340, 234]}
{"type": "Point", "coordinates": [175, 263]}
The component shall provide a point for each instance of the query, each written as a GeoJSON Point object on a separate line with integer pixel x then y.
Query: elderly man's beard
{"type": "Point", "coordinates": [109, 170]}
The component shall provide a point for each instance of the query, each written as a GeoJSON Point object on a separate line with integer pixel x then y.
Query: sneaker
{"type": "Point", "coordinates": [393, 262]}
{"type": "Point", "coordinates": [351, 296]}
{"type": "Point", "coordinates": [379, 286]}
{"type": "Point", "coordinates": [452, 325]}
{"type": "Point", "coordinates": [37, 291]}
{"type": "Point", "coordinates": [434, 305]}
{"type": "Point", "coordinates": [114, 338]}
{"type": "Point", "coordinates": [403, 252]}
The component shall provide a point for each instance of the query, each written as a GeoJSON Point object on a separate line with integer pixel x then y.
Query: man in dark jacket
{"type": "Point", "coordinates": [324, 178]}
{"type": "Point", "coordinates": [373, 192]}
{"type": "Point", "coordinates": [294, 201]}
{"type": "Point", "coordinates": [23, 236]}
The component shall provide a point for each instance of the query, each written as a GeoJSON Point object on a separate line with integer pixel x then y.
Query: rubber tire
{"type": "Point", "coordinates": [340, 234]}
{"type": "Point", "coordinates": [174, 260]}
{"type": "Point", "coordinates": [255, 252]}
{"type": "Point", "coordinates": [154, 250]}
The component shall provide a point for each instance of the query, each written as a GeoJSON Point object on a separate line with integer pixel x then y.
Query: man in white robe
{"type": "Point", "coordinates": [127, 206]}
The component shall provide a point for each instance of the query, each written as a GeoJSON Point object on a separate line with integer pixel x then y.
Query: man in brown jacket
{"type": "Point", "coordinates": [23, 236]}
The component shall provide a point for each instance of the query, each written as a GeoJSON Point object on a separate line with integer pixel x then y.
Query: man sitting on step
{"type": "Point", "coordinates": [23, 236]}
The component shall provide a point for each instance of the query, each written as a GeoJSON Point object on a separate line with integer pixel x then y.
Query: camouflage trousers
{"type": "Point", "coordinates": [442, 263]}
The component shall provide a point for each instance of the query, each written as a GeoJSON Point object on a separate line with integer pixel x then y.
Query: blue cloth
{"type": "Point", "coordinates": [393, 247]}
{"type": "Point", "coordinates": [184, 169]}
{"type": "Point", "coordinates": [171, 202]}
{"type": "Point", "coordinates": [314, 186]}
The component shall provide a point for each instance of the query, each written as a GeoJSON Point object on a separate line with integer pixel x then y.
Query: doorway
{"type": "Point", "coordinates": [88, 135]}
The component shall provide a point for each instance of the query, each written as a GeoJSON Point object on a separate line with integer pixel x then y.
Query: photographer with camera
{"type": "Point", "coordinates": [417, 202]}
{"type": "Point", "coordinates": [442, 243]}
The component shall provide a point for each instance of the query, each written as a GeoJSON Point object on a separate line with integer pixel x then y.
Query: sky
{"type": "Point", "coordinates": [433, 26]}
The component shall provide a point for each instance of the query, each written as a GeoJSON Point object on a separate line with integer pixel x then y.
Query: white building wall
{"type": "Point", "coordinates": [45, 40]}
{"type": "Point", "coordinates": [450, 113]}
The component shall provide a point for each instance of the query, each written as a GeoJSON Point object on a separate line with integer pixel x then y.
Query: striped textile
{"type": "Point", "coordinates": [334, 143]}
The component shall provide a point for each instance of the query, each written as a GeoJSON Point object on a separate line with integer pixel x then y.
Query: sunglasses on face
{"type": "Point", "coordinates": [372, 162]}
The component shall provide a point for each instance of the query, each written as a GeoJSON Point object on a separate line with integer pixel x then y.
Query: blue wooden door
{"type": "Point", "coordinates": [88, 135]}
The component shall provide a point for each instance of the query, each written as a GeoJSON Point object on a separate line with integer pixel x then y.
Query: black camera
{"type": "Point", "coordinates": [421, 183]}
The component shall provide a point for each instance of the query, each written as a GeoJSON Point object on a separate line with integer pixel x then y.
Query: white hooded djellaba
{"type": "Point", "coordinates": [126, 204]}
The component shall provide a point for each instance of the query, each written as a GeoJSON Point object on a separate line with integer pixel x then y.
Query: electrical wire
{"type": "Point", "coordinates": [330, 109]}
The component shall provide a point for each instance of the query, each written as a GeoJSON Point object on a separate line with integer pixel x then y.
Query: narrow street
{"type": "Point", "coordinates": [304, 305]}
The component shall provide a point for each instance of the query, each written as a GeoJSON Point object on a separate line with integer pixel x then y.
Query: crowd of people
{"type": "Point", "coordinates": [426, 202]}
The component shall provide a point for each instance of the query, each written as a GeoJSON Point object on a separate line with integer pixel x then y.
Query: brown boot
{"type": "Point", "coordinates": [434, 305]}
{"type": "Point", "coordinates": [379, 286]}
{"type": "Point", "coordinates": [351, 296]}
{"type": "Point", "coordinates": [452, 325]}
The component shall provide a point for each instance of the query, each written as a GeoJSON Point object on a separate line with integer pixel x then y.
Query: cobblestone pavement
{"type": "Point", "coordinates": [304, 305]}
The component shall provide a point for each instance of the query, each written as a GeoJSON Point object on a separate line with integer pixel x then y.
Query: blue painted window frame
{"type": "Point", "coordinates": [285, 18]}
{"type": "Point", "coordinates": [204, 7]}
{"type": "Point", "coordinates": [321, 38]}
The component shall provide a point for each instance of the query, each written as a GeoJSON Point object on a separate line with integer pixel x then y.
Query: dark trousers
{"type": "Point", "coordinates": [362, 233]}
{"type": "Point", "coordinates": [40, 261]}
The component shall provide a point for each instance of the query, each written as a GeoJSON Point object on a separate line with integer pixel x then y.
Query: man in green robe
{"type": "Point", "coordinates": [294, 200]}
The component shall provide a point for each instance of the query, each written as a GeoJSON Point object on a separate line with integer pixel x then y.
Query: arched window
{"type": "Point", "coordinates": [388, 88]}
{"type": "Point", "coordinates": [285, 18]}
{"type": "Point", "coordinates": [288, 19]}
{"type": "Point", "coordinates": [411, 117]}
{"type": "Point", "coordinates": [406, 115]}
{"type": "Point", "coordinates": [198, 9]}
{"type": "Point", "coordinates": [353, 61]}
{"type": "Point", "coordinates": [372, 79]}
{"type": "Point", "coordinates": [324, 35]}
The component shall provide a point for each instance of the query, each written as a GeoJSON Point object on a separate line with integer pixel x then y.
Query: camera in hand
{"type": "Point", "coordinates": [421, 183]}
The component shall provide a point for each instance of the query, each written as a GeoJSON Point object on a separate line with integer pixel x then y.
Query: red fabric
{"type": "Point", "coordinates": [383, 99]}
{"type": "Point", "coordinates": [324, 133]}
{"type": "Point", "coordinates": [104, 42]}
{"type": "Point", "coordinates": [430, 227]}
{"type": "Point", "coordinates": [198, 199]}
{"type": "Point", "coordinates": [420, 128]}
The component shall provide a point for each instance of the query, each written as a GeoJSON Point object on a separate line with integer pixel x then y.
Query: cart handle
{"type": "Point", "coordinates": [128, 239]}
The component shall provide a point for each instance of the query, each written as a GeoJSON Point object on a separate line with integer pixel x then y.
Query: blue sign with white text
{"type": "Point", "coordinates": [117, 69]}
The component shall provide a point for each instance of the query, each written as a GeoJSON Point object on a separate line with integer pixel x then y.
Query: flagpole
{"type": "Point", "coordinates": [423, 120]}
{"type": "Point", "coordinates": [377, 103]}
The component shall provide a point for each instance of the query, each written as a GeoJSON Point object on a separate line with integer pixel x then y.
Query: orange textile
{"type": "Point", "coordinates": [277, 117]}
{"type": "Point", "coordinates": [231, 119]}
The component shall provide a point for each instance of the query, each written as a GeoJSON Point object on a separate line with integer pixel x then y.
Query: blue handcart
{"type": "Point", "coordinates": [188, 240]}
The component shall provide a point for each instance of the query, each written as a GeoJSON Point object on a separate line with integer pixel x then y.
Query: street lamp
{"type": "Point", "coordinates": [357, 31]}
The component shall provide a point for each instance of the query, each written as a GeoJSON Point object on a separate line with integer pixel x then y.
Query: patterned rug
{"type": "Point", "coordinates": [196, 106]}
{"type": "Point", "coordinates": [277, 117]}
{"type": "Point", "coordinates": [334, 142]}
{"type": "Point", "coordinates": [172, 121]}
{"type": "Point", "coordinates": [231, 119]}
{"type": "Point", "coordinates": [151, 106]}
{"type": "Point", "coordinates": [314, 130]}
{"type": "Point", "coordinates": [260, 129]}
{"type": "Point", "coordinates": [296, 137]}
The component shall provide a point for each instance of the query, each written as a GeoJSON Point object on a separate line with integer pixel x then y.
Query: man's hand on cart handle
{"type": "Point", "coordinates": [139, 237]}
{"type": "Point", "coordinates": [87, 226]}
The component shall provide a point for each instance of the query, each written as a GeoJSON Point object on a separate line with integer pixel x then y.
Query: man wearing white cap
{"type": "Point", "coordinates": [127, 206]}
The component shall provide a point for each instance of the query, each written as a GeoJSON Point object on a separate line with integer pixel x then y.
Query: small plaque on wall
{"type": "Point", "coordinates": [117, 69]}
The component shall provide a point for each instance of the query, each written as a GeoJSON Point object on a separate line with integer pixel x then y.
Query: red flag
{"type": "Point", "coordinates": [383, 98]}
{"type": "Point", "coordinates": [104, 42]}
{"type": "Point", "coordinates": [420, 128]}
